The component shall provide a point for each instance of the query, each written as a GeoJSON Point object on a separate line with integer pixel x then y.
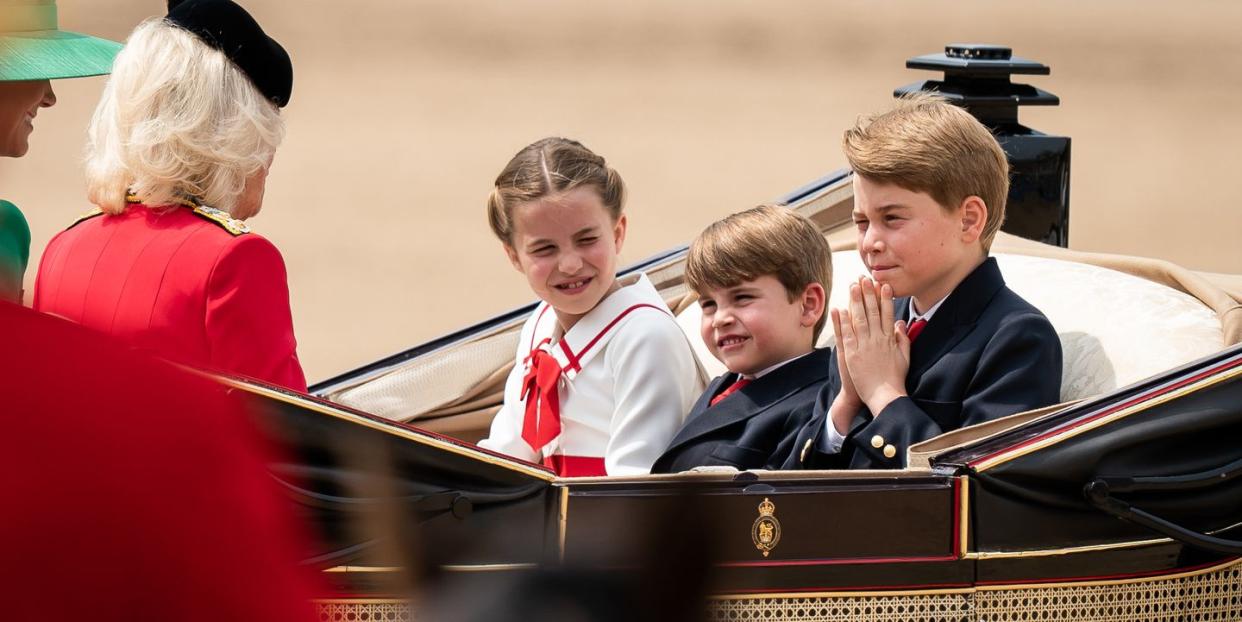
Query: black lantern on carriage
{"type": "Point", "coordinates": [977, 78]}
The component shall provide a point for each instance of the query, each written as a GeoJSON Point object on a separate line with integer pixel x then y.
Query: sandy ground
{"type": "Point", "coordinates": [403, 113]}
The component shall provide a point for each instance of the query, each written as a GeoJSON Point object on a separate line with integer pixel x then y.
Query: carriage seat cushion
{"type": "Point", "coordinates": [1115, 328]}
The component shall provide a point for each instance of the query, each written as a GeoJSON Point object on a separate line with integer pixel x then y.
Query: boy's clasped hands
{"type": "Point", "coordinates": [873, 353]}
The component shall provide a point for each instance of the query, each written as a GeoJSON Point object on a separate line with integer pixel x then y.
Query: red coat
{"type": "Point", "coordinates": [191, 285]}
{"type": "Point", "coordinates": [115, 509]}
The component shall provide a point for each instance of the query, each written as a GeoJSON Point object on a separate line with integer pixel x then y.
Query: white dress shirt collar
{"type": "Point", "coordinates": [764, 372]}
{"type": "Point", "coordinates": [926, 316]}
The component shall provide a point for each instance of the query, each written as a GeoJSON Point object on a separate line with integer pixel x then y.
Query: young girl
{"type": "Point", "coordinates": [603, 375]}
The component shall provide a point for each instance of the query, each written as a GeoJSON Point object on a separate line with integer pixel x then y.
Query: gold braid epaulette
{"type": "Point", "coordinates": [87, 216]}
{"type": "Point", "coordinates": [218, 216]}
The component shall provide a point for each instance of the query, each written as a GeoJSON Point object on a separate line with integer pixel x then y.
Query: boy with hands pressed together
{"type": "Point", "coordinates": [876, 350]}
{"type": "Point", "coordinates": [957, 347]}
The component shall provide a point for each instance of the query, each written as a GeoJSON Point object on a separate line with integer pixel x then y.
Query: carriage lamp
{"type": "Point", "coordinates": [977, 78]}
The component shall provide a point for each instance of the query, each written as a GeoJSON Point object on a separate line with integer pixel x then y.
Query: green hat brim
{"type": "Point", "coordinates": [53, 54]}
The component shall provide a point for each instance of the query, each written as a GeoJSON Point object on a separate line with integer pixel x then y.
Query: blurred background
{"type": "Point", "coordinates": [404, 111]}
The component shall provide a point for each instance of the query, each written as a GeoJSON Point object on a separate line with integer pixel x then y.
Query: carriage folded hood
{"type": "Point", "coordinates": [1165, 447]}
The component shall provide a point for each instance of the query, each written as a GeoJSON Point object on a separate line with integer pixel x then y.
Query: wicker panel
{"type": "Point", "coordinates": [932, 608]}
{"type": "Point", "coordinates": [914, 608]}
{"type": "Point", "coordinates": [361, 611]}
{"type": "Point", "coordinates": [1208, 596]}
{"type": "Point", "coordinates": [1213, 595]}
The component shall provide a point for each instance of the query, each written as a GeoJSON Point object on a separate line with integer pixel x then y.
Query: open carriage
{"type": "Point", "coordinates": [1120, 503]}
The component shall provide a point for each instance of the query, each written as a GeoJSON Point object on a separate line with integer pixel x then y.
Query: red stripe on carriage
{"type": "Point", "coordinates": [1116, 577]}
{"type": "Point", "coordinates": [840, 561]}
{"type": "Point", "coordinates": [576, 466]}
{"type": "Point", "coordinates": [1154, 393]}
{"type": "Point", "coordinates": [959, 547]}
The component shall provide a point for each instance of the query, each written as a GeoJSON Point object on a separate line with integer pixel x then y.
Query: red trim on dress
{"type": "Point", "coordinates": [570, 356]}
{"type": "Point", "coordinates": [570, 359]}
{"type": "Point", "coordinates": [614, 321]}
{"type": "Point", "coordinates": [576, 466]}
{"type": "Point", "coordinates": [534, 329]}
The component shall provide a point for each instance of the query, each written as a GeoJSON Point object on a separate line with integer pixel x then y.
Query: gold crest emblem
{"type": "Point", "coordinates": [766, 531]}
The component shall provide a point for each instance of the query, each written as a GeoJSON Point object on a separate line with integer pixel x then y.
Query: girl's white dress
{"type": "Point", "coordinates": [626, 380]}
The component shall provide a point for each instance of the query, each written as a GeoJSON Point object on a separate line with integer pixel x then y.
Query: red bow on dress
{"type": "Point", "coordinates": [543, 405]}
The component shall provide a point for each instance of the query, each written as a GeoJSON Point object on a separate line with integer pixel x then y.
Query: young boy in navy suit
{"type": "Point", "coordinates": [762, 277]}
{"type": "Point", "coordinates": [957, 347]}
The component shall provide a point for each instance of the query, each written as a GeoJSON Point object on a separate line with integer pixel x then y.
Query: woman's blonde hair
{"type": "Point", "coordinates": [177, 120]}
{"type": "Point", "coordinates": [547, 167]}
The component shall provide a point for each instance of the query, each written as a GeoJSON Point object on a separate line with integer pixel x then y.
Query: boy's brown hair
{"type": "Point", "coordinates": [926, 144]}
{"type": "Point", "coordinates": [765, 240]}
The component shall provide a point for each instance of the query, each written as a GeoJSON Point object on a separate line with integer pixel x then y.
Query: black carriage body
{"type": "Point", "coordinates": [463, 509]}
{"type": "Point", "coordinates": [1168, 446]}
{"type": "Point", "coordinates": [1005, 510]}
{"type": "Point", "coordinates": [1051, 515]}
{"type": "Point", "coordinates": [853, 533]}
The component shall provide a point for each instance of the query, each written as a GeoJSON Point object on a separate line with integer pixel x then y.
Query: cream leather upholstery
{"type": "Point", "coordinates": [1115, 328]}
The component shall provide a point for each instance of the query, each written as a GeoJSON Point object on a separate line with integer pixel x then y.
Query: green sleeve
{"type": "Point", "coordinates": [14, 251]}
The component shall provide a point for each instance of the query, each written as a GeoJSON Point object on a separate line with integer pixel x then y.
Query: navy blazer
{"type": "Point", "coordinates": [753, 428]}
{"type": "Point", "coordinates": [985, 354]}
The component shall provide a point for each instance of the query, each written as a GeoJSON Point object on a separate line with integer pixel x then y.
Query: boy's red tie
{"type": "Point", "coordinates": [915, 328]}
{"type": "Point", "coordinates": [543, 404]}
{"type": "Point", "coordinates": [733, 388]}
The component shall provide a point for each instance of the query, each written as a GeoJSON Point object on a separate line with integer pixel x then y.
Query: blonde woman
{"type": "Point", "coordinates": [179, 150]}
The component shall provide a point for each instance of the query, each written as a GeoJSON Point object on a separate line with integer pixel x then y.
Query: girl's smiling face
{"type": "Point", "coordinates": [567, 246]}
